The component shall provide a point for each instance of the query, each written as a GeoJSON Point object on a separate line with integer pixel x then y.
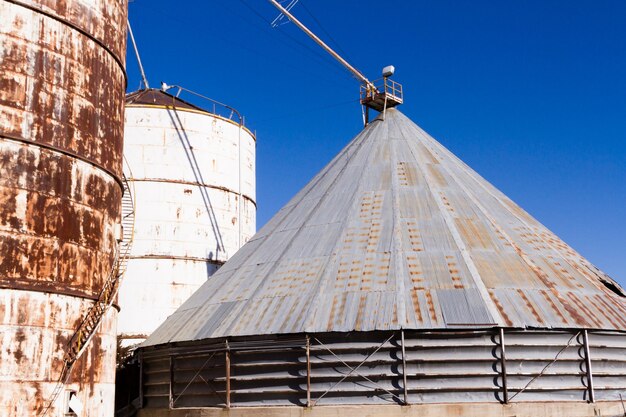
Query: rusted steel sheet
{"type": "Point", "coordinates": [62, 82]}
{"type": "Point", "coordinates": [194, 179]}
{"type": "Point", "coordinates": [34, 329]}
{"type": "Point", "coordinates": [60, 88]}
{"type": "Point", "coordinates": [57, 221]}
{"type": "Point", "coordinates": [102, 20]}
{"type": "Point", "coordinates": [396, 232]}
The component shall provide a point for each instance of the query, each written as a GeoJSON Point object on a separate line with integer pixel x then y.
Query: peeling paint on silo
{"type": "Point", "coordinates": [189, 169]}
{"type": "Point", "coordinates": [62, 82]}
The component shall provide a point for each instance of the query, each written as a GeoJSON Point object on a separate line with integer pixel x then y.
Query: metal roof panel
{"type": "Point", "coordinates": [397, 232]}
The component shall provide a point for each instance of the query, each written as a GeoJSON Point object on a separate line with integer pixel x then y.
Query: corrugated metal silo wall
{"type": "Point", "coordinates": [480, 366]}
{"type": "Point", "coordinates": [62, 85]}
{"type": "Point", "coordinates": [188, 169]}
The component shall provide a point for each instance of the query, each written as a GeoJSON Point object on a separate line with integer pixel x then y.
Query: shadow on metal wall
{"type": "Point", "coordinates": [195, 167]}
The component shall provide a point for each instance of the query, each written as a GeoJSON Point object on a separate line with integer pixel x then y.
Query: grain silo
{"type": "Point", "coordinates": [193, 172]}
{"type": "Point", "coordinates": [398, 282]}
{"type": "Point", "coordinates": [62, 83]}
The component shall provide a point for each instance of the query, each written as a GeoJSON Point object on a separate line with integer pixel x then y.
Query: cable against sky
{"type": "Point", "coordinates": [267, 32]}
{"type": "Point", "coordinates": [323, 29]}
{"type": "Point", "coordinates": [324, 58]}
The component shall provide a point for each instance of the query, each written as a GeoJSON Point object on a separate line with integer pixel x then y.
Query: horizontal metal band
{"type": "Point", "coordinates": [297, 340]}
{"type": "Point", "coordinates": [179, 258]}
{"type": "Point", "coordinates": [192, 183]}
{"type": "Point", "coordinates": [83, 32]}
{"type": "Point", "coordinates": [65, 152]}
{"type": "Point", "coordinates": [41, 287]}
{"type": "Point", "coordinates": [44, 287]}
{"type": "Point", "coordinates": [130, 336]}
{"type": "Point", "coordinates": [202, 112]}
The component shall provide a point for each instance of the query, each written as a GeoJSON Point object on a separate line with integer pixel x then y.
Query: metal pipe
{"type": "Point", "coordinates": [140, 379]}
{"type": "Point", "coordinates": [132, 39]}
{"type": "Point", "coordinates": [588, 366]}
{"type": "Point", "coordinates": [171, 377]}
{"type": "Point", "coordinates": [180, 258]}
{"type": "Point", "coordinates": [308, 372]}
{"type": "Point", "coordinates": [363, 114]}
{"type": "Point", "coordinates": [385, 106]}
{"type": "Point", "coordinates": [505, 389]}
{"type": "Point", "coordinates": [406, 392]}
{"type": "Point", "coordinates": [321, 43]}
{"type": "Point", "coordinates": [277, 21]}
{"type": "Point", "coordinates": [227, 378]}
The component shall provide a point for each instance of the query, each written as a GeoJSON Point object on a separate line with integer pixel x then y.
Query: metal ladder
{"type": "Point", "coordinates": [93, 318]}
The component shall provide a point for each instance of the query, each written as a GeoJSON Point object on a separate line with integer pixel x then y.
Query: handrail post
{"type": "Point", "coordinates": [308, 371]}
{"type": "Point", "coordinates": [404, 384]}
{"type": "Point", "coordinates": [588, 366]}
{"type": "Point", "coordinates": [171, 378]}
{"type": "Point", "coordinates": [505, 388]}
{"type": "Point", "coordinates": [227, 376]}
{"type": "Point", "coordinates": [140, 379]}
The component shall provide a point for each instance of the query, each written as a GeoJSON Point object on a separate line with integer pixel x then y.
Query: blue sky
{"type": "Point", "coordinates": [531, 94]}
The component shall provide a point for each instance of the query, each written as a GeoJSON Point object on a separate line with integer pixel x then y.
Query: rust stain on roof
{"type": "Point", "coordinates": [435, 246]}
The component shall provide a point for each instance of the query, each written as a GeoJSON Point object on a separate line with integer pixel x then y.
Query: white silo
{"type": "Point", "coordinates": [193, 173]}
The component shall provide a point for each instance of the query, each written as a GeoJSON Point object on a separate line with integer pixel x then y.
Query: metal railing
{"type": "Point", "coordinates": [386, 86]}
{"type": "Point", "coordinates": [220, 109]}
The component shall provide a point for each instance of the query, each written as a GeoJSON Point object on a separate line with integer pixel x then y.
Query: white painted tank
{"type": "Point", "coordinates": [193, 173]}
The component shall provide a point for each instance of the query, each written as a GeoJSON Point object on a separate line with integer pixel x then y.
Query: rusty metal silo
{"type": "Point", "coordinates": [62, 83]}
{"type": "Point", "coordinates": [193, 172]}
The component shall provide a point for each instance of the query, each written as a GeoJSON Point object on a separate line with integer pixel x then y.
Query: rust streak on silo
{"type": "Point", "coordinates": [62, 83]}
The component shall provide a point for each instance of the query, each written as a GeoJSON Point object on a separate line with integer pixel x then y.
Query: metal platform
{"type": "Point", "coordinates": [386, 94]}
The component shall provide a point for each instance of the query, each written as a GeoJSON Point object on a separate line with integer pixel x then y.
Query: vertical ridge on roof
{"type": "Point", "coordinates": [397, 232]}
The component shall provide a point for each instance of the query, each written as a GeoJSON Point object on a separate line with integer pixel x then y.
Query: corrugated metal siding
{"type": "Point", "coordinates": [608, 364]}
{"type": "Point", "coordinates": [368, 368]}
{"type": "Point", "coordinates": [396, 232]}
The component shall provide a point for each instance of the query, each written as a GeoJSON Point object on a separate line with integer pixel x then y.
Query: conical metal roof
{"type": "Point", "coordinates": [396, 232]}
{"type": "Point", "coordinates": [159, 98]}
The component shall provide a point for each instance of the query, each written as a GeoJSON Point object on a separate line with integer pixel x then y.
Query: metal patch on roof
{"type": "Point", "coordinates": [464, 308]}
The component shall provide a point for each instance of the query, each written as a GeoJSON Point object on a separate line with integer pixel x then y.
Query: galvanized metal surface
{"type": "Point", "coordinates": [396, 232]}
{"type": "Point", "coordinates": [189, 169]}
{"type": "Point", "coordinates": [61, 99]}
{"type": "Point", "coordinates": [371, 368]}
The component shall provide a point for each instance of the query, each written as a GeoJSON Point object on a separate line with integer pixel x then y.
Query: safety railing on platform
{"type": "Point", "coordinates": [383, 86]}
